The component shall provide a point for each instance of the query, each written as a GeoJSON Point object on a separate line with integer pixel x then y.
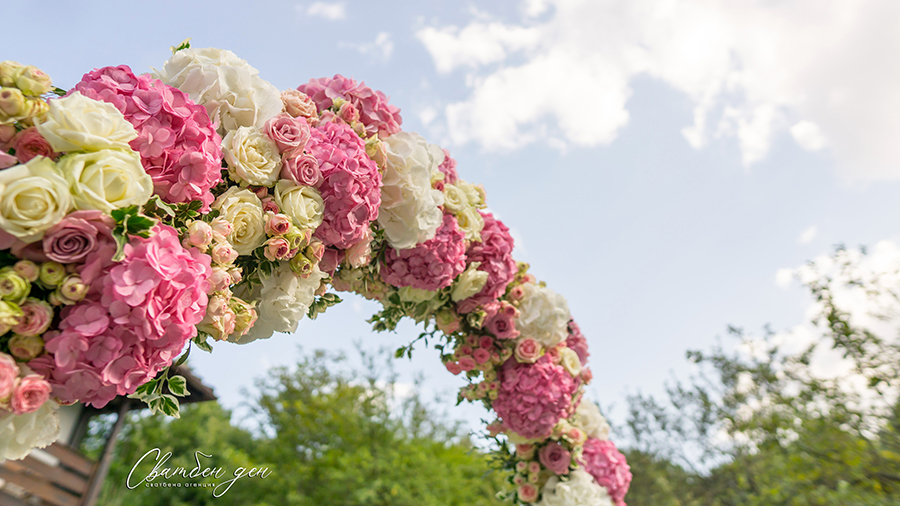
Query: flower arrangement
{"type": "Point", "coordinates": [143, 215]}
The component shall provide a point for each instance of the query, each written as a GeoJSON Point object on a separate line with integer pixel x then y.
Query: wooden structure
{"type": "Point", "coordinates": [60, 475]}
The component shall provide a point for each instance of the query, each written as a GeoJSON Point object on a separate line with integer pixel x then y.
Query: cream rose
{"type": "Point", "coordinates": [78, 123]}
{"type": "Point", "coordinates": [231, 90]}
{"type": "Point", "coordinates": [33, 198]}
{"type": "Point", "coordinates": [470, 282]}
{"type": "Point", "coordinates": [570, 361]}
{"type": "Point", "coordinates": [302, 203]}
{"type": "Point", "coordinates": [107, 179]}
{"type": "Point", "coordinates": [543, 315]}
{"type": "Point", "coordinates": [455, 200]}
{"type": "Point", "coordinates": [243, 209]}
{"type": "Point", "coordinates": [252, 157]}
{"type": "Point", "coordinates": [471, 222]}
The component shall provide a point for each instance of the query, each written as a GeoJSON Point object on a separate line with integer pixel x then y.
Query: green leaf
{"type": "Point", "coordinates": [178, 386]}
{"type": "Point", "coordinates": [183, 358]}
{"type": "Point", "coordinates": [202, 343]}
{"type": "Point", "coordinates": [170, 406]}
{"type": "Point", "coordinates": [121, 241]}
{"type": "Point", "coordinates": [59, 91]}
{"type": "Point", "coordinates": [185, 44]}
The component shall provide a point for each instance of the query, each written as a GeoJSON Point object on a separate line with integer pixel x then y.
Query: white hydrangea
{"type": "Point", "coordinates": [544, 315]}
{"type": "Point", "coordinates": [19, 434]}
{"type": "Point", "coordinates": [590, 421]}
{"type": "Point", "coordinates": [579, 490]}
{"type": "Point", "coordinates": [231, 90]}
{"type": "Point", "coordinates": [409, 211]}
{"type": "Point", "coordinates": [284, 299]}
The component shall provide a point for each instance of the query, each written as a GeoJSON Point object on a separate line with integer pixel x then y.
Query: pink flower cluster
{"type": "Point", "coordinates": [20, 393]}
{"type": "Point", "coordinates": [431, 265]}
{"type": "Point", "coordinates": [448, 167]}
{"type": "Point", "coordinates": [608, 467]}
{"type": "Point", "coordinates": [350, 184]}
{"type": "Point", "coordinates": [502, 322]}
{"type": "Point", "coordinates": [534, 397]}
{"type": "Point", "coordinates": [495, 254]}
{"type": "Point", "coordinates": [476, 350]}
{"type": "Point", "coordinates": [178, 143]}
{"type": "Point", "coordinates": [374, 111]}
{"type": "Point", "coordinates": [117, 339]}
{"type": "Point", "coordinates": [577, 342]}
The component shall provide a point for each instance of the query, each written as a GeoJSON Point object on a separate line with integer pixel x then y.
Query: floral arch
{"type": "Point", "coordinates": [143, 214]}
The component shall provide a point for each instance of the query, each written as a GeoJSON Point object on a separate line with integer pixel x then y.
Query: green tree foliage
{"type": "Point", "coordinates": [328, 435]}
{"type": "Point", "coordinates": [760, 425]}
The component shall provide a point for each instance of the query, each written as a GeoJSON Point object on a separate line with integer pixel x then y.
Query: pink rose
{"type": "Point", "coordinates": [297, 103]}
{"type": "Point", "coordinates": [467, 363]}
{"type": "Point", "coordinates": [219, 280]}
{"type": "Point", "coordinates": [7, 160]}
{"type": "Point", "coordinates": [221, 227]}
{"type": "Point", "coordinates": [348, 112]}
{"type": "Point", "coordinates": [7, 133]}
{"type": "Point", "coordinates": [36, 318]}
{"type": "Point", "coordinates": [223, 253]}
{"type": "Point", "coordinates": [302, 169]}
{"type": "Point", "coordinates": [9, 373]}
{"type": "Point", "coordinates": [277, 224]}
{"type": "Point", "coordinates": [453, 367]}
{"type": "Point", "coordinates": [527, 492]}
{"type": "Point", "coordinates": [29, 143]}
{"type": "Point", "coordinates": [516, 293]}
{"type": "Point", "coordinates": [289, 134]}
{"type": "Point", "coordinates": [30, 394]}
{"type": "Point", "coordinates": [277, 248]}
{"type": "Point", "coordinates": [269, 205]}
{"type": "Point", "coordinates": [78, 235]}
{"type": "Point", "coordinates": [360, 253]}
{"type": "Point", "coordinates": [528, 350]}
{"type": "Point", "coordinates": [28, 270]}
{"type": "Point", "coordinates": [200, 234]}
{"type": "Point", "coordinates": [486, 342]}
{"type": "Point", "coordinates": [482, 355]}
{"type": "Point", "coordinates": [555, 458]}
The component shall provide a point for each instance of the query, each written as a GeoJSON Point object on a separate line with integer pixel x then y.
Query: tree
{"type": "Point", "coordinates": [767, 424]}
{"type": "Point", "coordinates": [328, 436]}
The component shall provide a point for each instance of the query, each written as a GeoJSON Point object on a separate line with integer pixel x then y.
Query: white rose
{"type": "Point", "coordinates": [409, 211]}
{"type": "Point", "coordinates": [243, 209]}
{"type": "Point", "coordinates": [33, 198]}
{"type": "Point", "coordinates": [302, 203]}
{"type": "Point", "coordinates": [252, 157]}
{"type": "Point", "coordinates": [470, 282]}
{"type": "Point", "coordinates": [78, 123]}
{"type": "Point", "coordinates": [284, 298]}
{"type": "Point", "coordinates": [107, 179]}
{"type": "Point", "coordinates": [231, 90]}
{"type": "Point", "coordinates": [455, 200]}
{"type": "Point", "coordinates": [578, 490]}
{"type": "Point", "coordinates": [475, 197]}
{"type": "Point", "coordinates": [471, 222]}
{"type": "Point", "coordinates": [544, 315]}
{"type": "Point", "coordinates": [19, 434]}
{"type": "Point", "coordinates": [570, 361]}
{"type": "Point", "coordinates": [590, 421]}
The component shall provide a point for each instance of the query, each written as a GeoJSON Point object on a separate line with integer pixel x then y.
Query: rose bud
{"type": "Point", "coordinates": [13, 287]}
{"type": "Point", "coordinates": [219, 280]}
{"type": "Point", "coordinates": [72, 289]}
{"type": "Point", "coordinates": [52, 273]}
{"type": "Point", "coordinates": [30, 394]}
{"type": "Point", "coordinates": [36, 318]}
{"type": "Point", "coordinates": [26, 347]}
{"type": "Point", "coordinates": [236, 275]}
{"type": "Point", "coordinates": [277, 248]}
{"type": "Point", "coordinates": [222, 253]}
{"type": "Point", "coordinates": [12, 104]}
{"type": "Point", "coordinates": [200, 234]}
{"type": "Point", "coordinates": [28, 270]}
{"type": "Point", "coordinates": [221, 228]}
{"type": "Point", "coordinates": [277, 224]}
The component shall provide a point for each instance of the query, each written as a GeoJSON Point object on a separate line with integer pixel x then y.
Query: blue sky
{"type": "Point", "coordinates": [658, 162]}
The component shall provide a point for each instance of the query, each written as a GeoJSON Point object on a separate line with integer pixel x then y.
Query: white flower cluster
{"type": "Point", "coordinates": [589, 420]}
{"type": "Point", "coordinates": [230, 89]}
{"type": "Point", "coordinates": [463, 200]}
{"type": "Point", "coordinates": [284, 299]}
{"type": "Point", "coordinates": [544, 315]}
{"type": "Point", "coordinates": [409, 211]}
{"type": "Point", "coordinates": [578, 490]}
{"type": "Point", "coordinates": [19, 434]}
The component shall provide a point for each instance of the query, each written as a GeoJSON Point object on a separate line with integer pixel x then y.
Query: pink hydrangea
{"type": "Point", "coordinates": [608, 467]}
{"type": "Point", "coordinates": [448, 167]}
{"type": "Point", "coordinates": [374, 111]}
{"type": "Point", "coordinates": [533, 398]}
{"type": "Point", "coordinates": [178, 143]}
{"type": "Point", "coordinates": [577, 342]}
{"type": "Point", "coordinates": [495, 254]}
{"type": "Point", "coordinates": [431, 265]}
{"type": "Point", "coordinates": [351, 184]}
{"type": "Point", "coordinates": [137, 323]}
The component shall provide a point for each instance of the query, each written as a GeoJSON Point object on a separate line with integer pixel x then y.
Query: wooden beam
{"type": "Point", "coordinates": [93, 492]}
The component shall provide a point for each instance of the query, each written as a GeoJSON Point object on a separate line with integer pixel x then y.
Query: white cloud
{"type": "Point", "coordinates": [824, 71]}
{"type": "Point", "coordinates": [784, 278]}
{"type": "Point", "coordinates": [808, 235]}
{"type": "Point", "coordinates": [329, 11]}
{"type": "Point", "coordinates": [382, 47]}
